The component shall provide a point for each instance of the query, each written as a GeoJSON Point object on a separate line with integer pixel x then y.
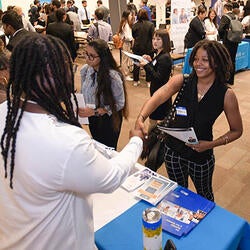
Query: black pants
{"type": "Point", "coordinates": [232, 49]}
{"type": "Point", "coordinates": [102, 129]}
{"type": "Point", "coordinates": [179, 169]}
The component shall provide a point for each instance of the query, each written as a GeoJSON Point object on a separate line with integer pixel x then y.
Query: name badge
{"type": "Point", "coordinates": [154, 62]}
{"type": "Point", "coordinates": [182, 111]}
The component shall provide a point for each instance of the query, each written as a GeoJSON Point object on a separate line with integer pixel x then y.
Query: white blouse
{"type": "Point", "coordinates": [210, 27]}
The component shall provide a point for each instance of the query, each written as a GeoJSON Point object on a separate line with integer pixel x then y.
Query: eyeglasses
{"type": "Point", "coordinates": [90, 57]}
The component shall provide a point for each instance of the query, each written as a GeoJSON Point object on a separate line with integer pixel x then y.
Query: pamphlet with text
{"type": "Point", "coordinates": [186, 135]}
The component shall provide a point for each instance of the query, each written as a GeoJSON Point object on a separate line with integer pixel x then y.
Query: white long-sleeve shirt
{"type": "Point", "coordinates": [57, 168]}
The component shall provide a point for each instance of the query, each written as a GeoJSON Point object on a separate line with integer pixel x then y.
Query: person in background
{"type": "Point", "coordinates": [100, 29]}
{"type": "Point", "coordinates": [204, 97]}
{"type": "Point", "coordinates": [74, 18]}
{"type": "Point", "coordinates": [104, 93]}
{"type": "Point", "coordinates": [247, 8]}
{"type": "Point", "coordinates": [125, 31]}
{"type": "Point", "coordinates": [231, 46]}
{"type": "Point", "coordinates": [84, 13]}
{"type": "Point", "coordinates": [4, 72]}
{"type": "Point", "coordinates": [159, 70]}
{"type": "Point", "coordinates": [131, 7]}
{"type": "Point", "coordinates": [13, 28]}
{"type": "Point", "coordinates": [63, 30]}
{"type": "Point", "coordinates": [106, 11]}
{"type": "Point", "coordinates": [142, 32]}
{"type": "Point", "coordinates": [34, 12]}
{"type": "Point", "coordinates": [26, 23]}
{"type": "Point", "coordinates": [211, 26]}
{"type": "Point", "coordinates": [46, 199]}
{"type": "Point", "coordinates": [196, 31]}
{"type": "Point", "coordinates": [183, 18]}
{"type": "Point", "coordinates": [145, 7]}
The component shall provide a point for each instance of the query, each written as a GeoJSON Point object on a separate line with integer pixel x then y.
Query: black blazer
{"type": "Point", "coordinates": [196, 32]}
{"type": "Point", "coordinates": [142, 33]}
{"type": "Point", "coordinates": [159, 71]}
{"type": "Point", "coordinates": [65, 32]}
{"type": "Point", "coordinates": [14, 40]}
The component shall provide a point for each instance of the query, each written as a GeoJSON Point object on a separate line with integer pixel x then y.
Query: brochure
{"type": "Point", "coordinates": [81, 104]}
{"type": "Point", "coordinates": [134, 57]}
{"type": "Point", "coordinates": [137, 179]}
{"type": "Point", "coordinates": [182, 210]}
{"type": "Point", "coordinates": [186, 135]}
{"type": "Point", "coordinates": [154, 189]}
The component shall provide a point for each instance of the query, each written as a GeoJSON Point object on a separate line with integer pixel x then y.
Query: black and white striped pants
{"type": "Point", "coordinates": [179, 169]}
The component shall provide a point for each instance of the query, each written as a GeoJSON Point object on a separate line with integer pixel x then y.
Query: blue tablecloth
{"type": "Point", "coordinates": [242, 60]}
{"type": "Point", "coordinates": [219, 230]}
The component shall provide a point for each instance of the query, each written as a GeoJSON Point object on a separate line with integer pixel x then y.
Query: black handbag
{"type": "Point", "coordinates": [154, 146]}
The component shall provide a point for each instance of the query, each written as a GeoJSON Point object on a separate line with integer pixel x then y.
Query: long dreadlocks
{"type": "Point", "coordinates": [40, 71]}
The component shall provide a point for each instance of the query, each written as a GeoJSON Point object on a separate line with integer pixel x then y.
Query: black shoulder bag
{"type": "Point", "coordinates": [154, 147]}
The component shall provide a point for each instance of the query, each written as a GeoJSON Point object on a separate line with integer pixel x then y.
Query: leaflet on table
{"type": "Point", "coordinates": [138, 178]}
{"type": "Point", "coordinates": [182, 210]}
{"type": "Point", "coordinates": [154, 189]}
{"type": "Point", "coordinates": [81, 104]}
{"type": "Point", "coordinates": [135, 57]}
{"type": "Point", "coordinates": [186, 135]}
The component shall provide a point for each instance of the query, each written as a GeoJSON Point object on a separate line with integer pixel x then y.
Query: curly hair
{"type": "Point", "coordinates": [40, 71]}
{"type": "Point", "coordinates": [218, 57]}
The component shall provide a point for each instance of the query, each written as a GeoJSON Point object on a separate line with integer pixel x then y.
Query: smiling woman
{"type": "Point", "coordinates": [204, 98]}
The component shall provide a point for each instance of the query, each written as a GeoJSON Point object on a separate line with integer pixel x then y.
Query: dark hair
{"type": "Point", "coordinates": [107, 63]}
{"type": "Point", "coordinates": [99, 1]}
{"type": "Point", "coordinates": [218, 57]}
{"type": "Point", "coordinates": [124, 19]}
{"type": "Point", "coordinates": [60, 13]}
{"type": "Point", "coordinates": [47, 79]}
{"type": "Point", "coordinates": [201, 9]}
{"type": "Point", "coordinates": [4, 61]}
{"type": "Point", "coordinates": [99, 13]}
{"type": "Point", "coordinates": [56, 3]}
{"type": "Point", "coordinates": [164, 35]}
{"type": "Point", "coordinates": [12, 18]}
{"type": "Point", "coordinates": [142, 15]}
{"type": "Point", "coordinates": [215, 18]}
{"type": "Point", "coordinates": [228, 6]}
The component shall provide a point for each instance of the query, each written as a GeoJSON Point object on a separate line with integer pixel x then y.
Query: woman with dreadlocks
{"type": "Point", "coordinates": [204, 96]}
{"type": "Point", "coordinates": [104, 93]}
{"type": "Point", "coordinates": [49, 164]}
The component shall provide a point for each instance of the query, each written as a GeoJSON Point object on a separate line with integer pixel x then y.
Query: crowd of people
{"type": "Point", "coordinates": [46, 190]}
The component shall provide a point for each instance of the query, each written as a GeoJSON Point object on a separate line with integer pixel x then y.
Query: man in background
{"type": "Point", "coordinates": [106, 12]}
{"type": "Point", "coordinates": [84, 13]}
{"type": "Point", "coordinates": [100, 29]}
{"type": "Point", "coordinates": [13, 28]}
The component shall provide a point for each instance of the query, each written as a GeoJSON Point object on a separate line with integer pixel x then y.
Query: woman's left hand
{"type": "Point", "coordinates": [201, 146]}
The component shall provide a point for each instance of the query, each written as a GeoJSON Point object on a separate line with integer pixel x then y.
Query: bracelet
{"type": "Point", "coordinates": [143, 118]}
{"type": "Point", "coordinates": [225, 139]}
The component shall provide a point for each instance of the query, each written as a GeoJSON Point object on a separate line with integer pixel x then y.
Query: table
{"type": "Point", "coordinates": [219, 230]}
{"type": "Point", "coordinates": [242, 58]}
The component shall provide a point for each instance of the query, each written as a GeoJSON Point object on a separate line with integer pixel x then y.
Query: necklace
{"type": "Point", "coordinates": [202, 92]}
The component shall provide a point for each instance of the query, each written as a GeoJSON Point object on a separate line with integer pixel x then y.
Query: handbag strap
{"type": "Point", "coordinates": [171, 114]}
